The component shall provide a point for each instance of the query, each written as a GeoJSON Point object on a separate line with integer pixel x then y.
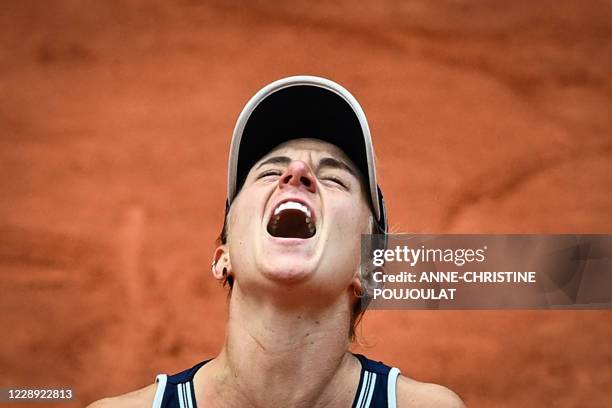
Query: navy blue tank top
{"type": "Point", "coordinates": [376, 387]}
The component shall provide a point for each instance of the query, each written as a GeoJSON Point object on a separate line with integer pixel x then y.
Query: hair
{"type": "Point", "coordinates": [366, 275]}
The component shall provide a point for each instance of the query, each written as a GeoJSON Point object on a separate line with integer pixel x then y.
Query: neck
{"type": "Point", "coordinates": [274, 356]}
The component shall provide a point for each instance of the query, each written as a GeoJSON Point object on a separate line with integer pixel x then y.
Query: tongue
{"type": "Point", "coordinates": [291, 223]}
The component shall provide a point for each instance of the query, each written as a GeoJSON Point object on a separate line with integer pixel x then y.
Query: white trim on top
{"type": "Point", "coordinates": [364, 384]}
{"type": "Point", "coordinates": [161, 387]}
{"type": "Point", "coordinates": [391, 387]}
{"type": "Point", "coordinates": [370, 391]}
{"type": "Point", "coordinates": [367, 390]}
{"type": "Point", "coordinates": [188, 393]}
{"type": "Point", "coordinates": [181, 395]}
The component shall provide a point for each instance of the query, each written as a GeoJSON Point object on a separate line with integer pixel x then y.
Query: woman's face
{"type": "Point", "coordinates": [298, 219]}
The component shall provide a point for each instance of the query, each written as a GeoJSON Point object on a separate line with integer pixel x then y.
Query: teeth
{"type": "Point", "coordinates": [310, 224]}
{"type": "Point", "coordinates": [292, 205]}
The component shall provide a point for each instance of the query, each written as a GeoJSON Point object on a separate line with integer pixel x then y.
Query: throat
{"type": "Point", "coordinates": [262, 383]}
{"type": "Point", "coordinates": [298, 359]}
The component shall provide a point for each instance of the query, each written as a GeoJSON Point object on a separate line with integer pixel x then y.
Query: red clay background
{"type": "Point", "coordinates": [115, 123]}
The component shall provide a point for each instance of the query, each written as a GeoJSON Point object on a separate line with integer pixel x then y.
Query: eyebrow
{"type": "Point", "coordinates": [336, 164]}
{"type": "Point", "coordinates": [324, 162]}
{"type": "Point", "coordinates": [275, 160]}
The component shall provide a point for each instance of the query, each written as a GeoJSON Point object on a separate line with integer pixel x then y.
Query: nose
{"type": "Point", "coordinates": [298, 175]}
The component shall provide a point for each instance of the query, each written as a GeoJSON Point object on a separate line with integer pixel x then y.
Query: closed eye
{"type": "Point", "coordinates": [269, 173]}
{"type": "Point", "coordinates": [334, 180]}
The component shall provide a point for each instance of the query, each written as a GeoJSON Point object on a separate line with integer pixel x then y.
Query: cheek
{"type": "Point", "coordinates": [242, 225]}
{"type": "Point", "coordinates": [350, 218]}
{"type": "Point", "coordinates": [246, 211]}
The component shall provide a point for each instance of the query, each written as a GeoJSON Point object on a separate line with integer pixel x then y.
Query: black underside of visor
{"type": "Point", "coordinates": [301, 111]}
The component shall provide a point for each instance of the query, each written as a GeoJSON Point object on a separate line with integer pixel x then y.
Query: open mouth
{"type": "Point", "coordinates": [291, 219]}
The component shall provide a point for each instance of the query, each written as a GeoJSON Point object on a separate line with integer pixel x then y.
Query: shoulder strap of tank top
{"type": "Point", "coordinates": [391, 387]}
{"type": "Point", "coordinates": [176, 390]}
{"type": "Point", "coordinates": [377, 385]}
{"type": "Point", "coordinates": [161, 381]}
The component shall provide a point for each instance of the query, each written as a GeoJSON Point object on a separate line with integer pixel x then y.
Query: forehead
{"type": "Point", "coordinates": [317, 148]}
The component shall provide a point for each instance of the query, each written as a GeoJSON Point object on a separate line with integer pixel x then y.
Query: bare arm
{"type": "Point", "coordinates": [415, 394]}
{"type": "Point", "coordinates": [142, 398]}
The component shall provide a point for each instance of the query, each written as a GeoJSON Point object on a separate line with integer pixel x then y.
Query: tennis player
{"type": "Point", "coordinates": [302, 189]}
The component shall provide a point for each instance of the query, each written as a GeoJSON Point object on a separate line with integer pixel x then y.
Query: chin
{"type": "Point", "coordinates": [290, 272]}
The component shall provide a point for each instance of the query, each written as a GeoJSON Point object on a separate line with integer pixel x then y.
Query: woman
{"type": "Point", "coordinates": [302, 189]}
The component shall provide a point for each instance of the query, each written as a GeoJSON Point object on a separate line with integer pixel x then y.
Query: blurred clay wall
{"type": "Point", "coordinates": [115, 123]}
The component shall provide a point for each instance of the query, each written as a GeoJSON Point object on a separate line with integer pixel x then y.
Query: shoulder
{"type": "Point", "coordinates": [135, 399]}
{"type": "Point", "coordinates": [412, 393]}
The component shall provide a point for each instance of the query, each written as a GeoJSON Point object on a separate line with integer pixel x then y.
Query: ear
{"type": "Point", "coordinates": [356, 286]}
{"type": "Point", "coordinates": [221, 265]}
